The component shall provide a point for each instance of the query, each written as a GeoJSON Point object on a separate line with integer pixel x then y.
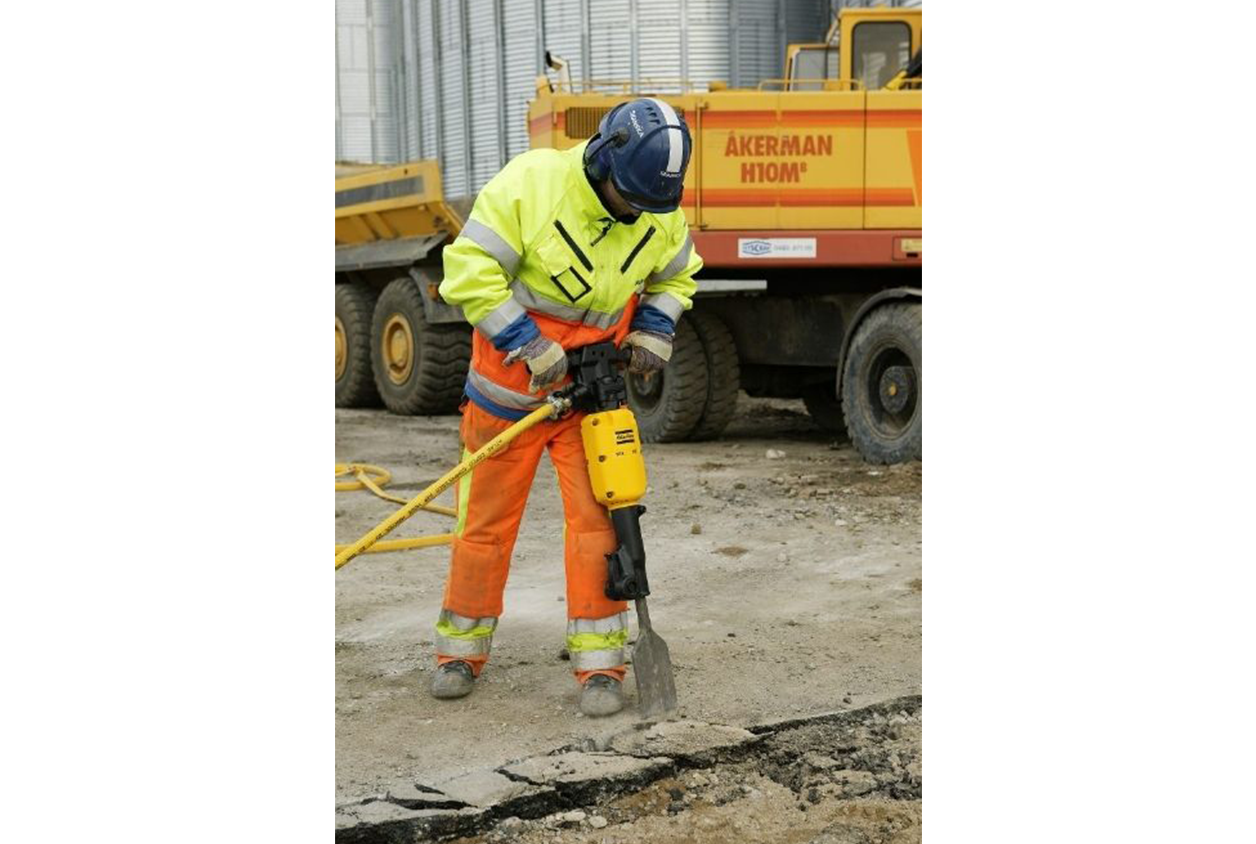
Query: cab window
{"type": "Point", "coordinates": [812, 64]}
{"type": "Point", "coordinates": [879, 50]}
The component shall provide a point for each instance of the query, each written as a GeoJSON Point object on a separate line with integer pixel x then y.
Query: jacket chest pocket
{"type": "Point", "coordinates": [568, 266]}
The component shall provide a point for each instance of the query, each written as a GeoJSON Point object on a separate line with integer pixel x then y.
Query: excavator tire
{"type": "Point", "coordinates": [354, 385]}
{"type": "Point", "coordinates": [419, 367]}
{"type": "Point", "coordinates": [669, 404]}
{"type": "Point", "coordinates": [723, 374]}
{"type": "Point", "coordinates": [881, 385]}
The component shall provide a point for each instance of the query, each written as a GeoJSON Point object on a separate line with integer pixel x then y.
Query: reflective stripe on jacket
{"type": "Point", "coordinates": [539, 252]}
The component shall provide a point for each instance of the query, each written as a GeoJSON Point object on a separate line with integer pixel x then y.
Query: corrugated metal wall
{"type": "Point", "coordinates": [451, 79]}
{"type": "Point", "coordinates": [367, 128]}
{"type": "Point", "coordinates": [612, 39]}
{"type": "Point", "coordinates": [522, 62]}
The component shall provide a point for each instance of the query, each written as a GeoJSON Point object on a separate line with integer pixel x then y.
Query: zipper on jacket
{"type": "Point", "coordinates": [605, 230]}
{"type": "Point", "coordinates": [583, 259]}
{"type": "Point", "coordinates": [633, 254]}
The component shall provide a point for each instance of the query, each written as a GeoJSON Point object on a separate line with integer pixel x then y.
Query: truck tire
{"type": "Point", "coordinates": [825, 408]}
{"type": "Point", "coordinates": [881, 385]}
{"type": "Point", "coordinates": [354, 385]}
{"type": "Point", "coordinates": [669, 404]}
{"type": "Point", "coordinates": [419, 367]}
{"type": "Point", "coordinates": [723, 374]}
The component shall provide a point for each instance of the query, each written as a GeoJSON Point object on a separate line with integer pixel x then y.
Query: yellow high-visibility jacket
{"type": "Point", "coordinates": [541, 255]}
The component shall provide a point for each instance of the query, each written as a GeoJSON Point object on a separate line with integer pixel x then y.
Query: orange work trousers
{"type": "Point", "coordinates": [490, 506]}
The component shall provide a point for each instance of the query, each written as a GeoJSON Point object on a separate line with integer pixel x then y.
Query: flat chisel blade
{"type": "Point", "coordinates": [652, 666]}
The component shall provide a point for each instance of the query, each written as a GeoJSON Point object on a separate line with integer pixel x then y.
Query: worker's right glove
{"type": "Point", "coordinates": [650, 351]}
{"type": "Point", "coordinates": [546, 361]}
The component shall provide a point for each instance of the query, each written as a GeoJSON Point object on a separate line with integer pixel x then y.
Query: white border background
{"type": "Point", "coordinates": [167, 616]}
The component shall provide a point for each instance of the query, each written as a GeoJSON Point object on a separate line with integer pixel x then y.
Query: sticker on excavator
{"type": "Point", "coordinates": [776, 247]}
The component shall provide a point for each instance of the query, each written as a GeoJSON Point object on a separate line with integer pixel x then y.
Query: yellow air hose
{"type": "Point", "coordinates": [372, 478]}
{"type": "Point", "coordinates": [554, 406]}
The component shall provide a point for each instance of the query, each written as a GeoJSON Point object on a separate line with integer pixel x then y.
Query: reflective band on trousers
{"type": "Point", "coordinates": [465, 624]}
{"type": "Point", "coordinates": [533, 301]}
{"type": "Point", "coordinates": [675, 265]}
{"type": "Point", "coordinates": [665, 302]}
{"type": "Point", "coordinates": [459, 635]}
{"type": "Point", "coordinates": [593, 660]}
{"type": "Point", "coordinates": [610, 624]}
{"type": "Point", "coordinates": [492, 243]}
{"type": "Point", "coordinates": [500, 318]}
{"type": "Point", "coordinates": [597, 642]}
{"type": "Point", "coordinates": [503, 396]}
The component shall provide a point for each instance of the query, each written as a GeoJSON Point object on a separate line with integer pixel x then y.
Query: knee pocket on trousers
{"type": "Point", "coordinates": [477, 577]}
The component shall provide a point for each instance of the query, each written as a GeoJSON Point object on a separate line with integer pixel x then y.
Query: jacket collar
{"type": "Point", "coordinates": [592, 212]}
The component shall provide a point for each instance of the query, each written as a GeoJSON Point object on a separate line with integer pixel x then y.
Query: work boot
{"type": "Point", "coordinates": [602, 695]}
{"type": "Point", "coordinates": [453, 679]}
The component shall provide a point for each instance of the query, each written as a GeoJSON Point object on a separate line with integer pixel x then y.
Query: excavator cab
{"type": "Point", "coordinates": [864, 49]}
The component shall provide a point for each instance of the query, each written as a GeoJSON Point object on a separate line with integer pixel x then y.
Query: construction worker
{"type": "Point", "coordinates": [562, 249]}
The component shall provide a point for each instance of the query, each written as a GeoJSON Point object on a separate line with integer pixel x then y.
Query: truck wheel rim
{"type": "Point", "coordinates": [398, 348]}
{"type": "Point", "coordinates": [893, 392]}
{"type": "Point", "coordinates": [342, 349]}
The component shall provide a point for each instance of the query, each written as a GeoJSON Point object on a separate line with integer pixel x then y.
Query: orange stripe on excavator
{"type": "Point", "coordinates": [848, 118]}
{"type": "Point", "coordinates": [768, 119]}
{"type": "Point", "coordinates": [893, 119]}
{"type": "Point", "coordinates": [802, 197]}
{"type": "Point", "coordinates": [543, 122]}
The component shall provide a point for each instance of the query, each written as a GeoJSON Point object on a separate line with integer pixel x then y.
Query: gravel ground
{"type": "Point", "coordinates": [784, 585]}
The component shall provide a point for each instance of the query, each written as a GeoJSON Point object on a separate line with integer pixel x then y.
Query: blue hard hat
{"type": "Point", "coordinates": [643, 146]}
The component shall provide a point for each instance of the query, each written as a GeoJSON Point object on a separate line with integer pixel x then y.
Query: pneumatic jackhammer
{"type": "Point", "coordinates": [612, 446]}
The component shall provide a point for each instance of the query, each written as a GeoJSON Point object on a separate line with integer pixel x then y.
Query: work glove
{"type": "Point", "coordinates": [546, 361]}
{"type": "Point", "coordinates": [650, 351]}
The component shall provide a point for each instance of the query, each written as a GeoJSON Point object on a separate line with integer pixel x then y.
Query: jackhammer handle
{"type": "Point", "coordinates": [625, 573]}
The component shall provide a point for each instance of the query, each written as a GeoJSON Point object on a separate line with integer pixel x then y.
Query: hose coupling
{"type": "Point", "coordinates": [561, 403]}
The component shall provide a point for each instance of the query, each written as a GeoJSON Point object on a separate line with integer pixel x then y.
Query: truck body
{"type": "Point", "coordinates": [396, 341]}
{"type": "Point", "coordinates": [803, 197]}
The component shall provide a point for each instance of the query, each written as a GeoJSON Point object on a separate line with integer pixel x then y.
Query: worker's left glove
{"type": "Point", "coordinates": [650, 351]}
{"type": "Point", "coordinates": [546, 361]}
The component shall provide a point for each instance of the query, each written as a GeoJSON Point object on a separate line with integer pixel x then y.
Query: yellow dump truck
{"type": "Point", "coordinates": [803, 198]}
{"type": "Point", "coordinates": [807, 192]}
{"type": "Point", "coordinates": [396, 341]}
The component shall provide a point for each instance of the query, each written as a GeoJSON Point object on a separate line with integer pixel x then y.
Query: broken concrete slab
{"type": "Point", "coordinates": [906, 703]}
{"type": "Point", "coordinates": [417, 796]}
{"type": "Point", "coordinates": [486, 788]}
{"type": "Point", "coordinates": [379, 811]}
{"type": "Point", "coordinates": [582, 777]}
{"type": "Point", "coordinates": [689, 742]}
{"type": "Point", "coordinates": [381, 822]}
